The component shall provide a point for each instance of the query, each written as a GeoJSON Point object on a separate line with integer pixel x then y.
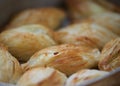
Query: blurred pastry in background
{"type": "Point", "coordinates": [108, 20]}
{"type": "Point", "coordinates": [110, 4]}
{"type": "Point", "coordinates": [10, 69]}
{"type": "Point", "coordinates": [67, 58]}
{"type": "Point", "coordinates": [42, 77]}
{"type": "Point", "coordinates": [49, 17]}
{"type": "Point", "coordinates": [82, 77]}
{"type": "Point", "coordinates": [88, 34]}
{"type": "Point", "coordinates": [24, 41]}
{"type": "Point", "coordinates": [110, 56]}
{"type": "Point", "coordinates": [80, 9]}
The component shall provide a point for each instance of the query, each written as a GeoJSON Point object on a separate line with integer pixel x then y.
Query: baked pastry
{"type": "Point", "coordinates": [109, 20]}
{"type": "Point", "coordinates": [110, 4]}
{"type": "Point", "coordinates": [49, 17]}
{"type": "Point", "coordinates": [10, 69]}
{"type": "Point", "coordinates": [81, 77]}
{"type": "Point", "coordinates": [110, 56]}
{"type": "Point", "coordinates": [42, 77]}
{"type": "Point", "coordinates": [84, 8]}
{"type": "Point", "coordinates": [88, 33]}
{"type": "Point", "coordinates": [67, 58]}
{"type": "Point", "coordinates": [79, 9]}
{"type": "Point", "coordinates": [24, 41]}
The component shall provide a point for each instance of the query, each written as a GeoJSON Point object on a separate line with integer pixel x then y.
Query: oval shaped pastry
{"type": "Point", "coordinates": [81, 77]}
{"type": "Point", "coordinates": [42, 77]}
{"type": "Point", "coordinates": [24, 41]}
{"type": "Point", "coordinates": [10, 69]}
{"type": "Point", "coordinates": [110, 56]}
{"type": "Point", "coordinates": [67, 58]}
{"type": "Point", "coordinates": [109, 20]}
{"type": "Point", "coordinates": [89, 34]}
{"type": "Point", "coordinates": [49, 17]}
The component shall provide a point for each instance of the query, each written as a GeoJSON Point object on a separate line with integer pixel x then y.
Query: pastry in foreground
{"type": "Point", "coordinates": [67, 58]}
{"type": "Point", "coordinates": [87, 33]}
{"type": "Point", "coordinates": [49, 17]}
{"type": "Point", "coordinates": [10, 69]}
{"type": "Point", "coordinates": [24, 41]}
{"type": "Point", "coordinates": [110, 56]}
{"type": "Point", "coordinates": [81, 77]}
{"type": "Point", "coordinates": [42, 77]}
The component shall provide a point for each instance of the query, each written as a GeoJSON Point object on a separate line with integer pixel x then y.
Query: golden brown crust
{"type": "Point", "coordinates": [67, 58]}
{"type": "Point", "coordinates": [49, 17]}
{"type": "Point", "coordinates": [110, 56]}
{"type": "Point", "coordinates": [42, 77]}
{"type": "Point", "coordinates": [87, 33]}
{"type": "Point", "coordinates": [10, 70]}
{"type": "Point", "coordinates": [24, 41]}
{"type": "Point", "coordinates": [84, 75]}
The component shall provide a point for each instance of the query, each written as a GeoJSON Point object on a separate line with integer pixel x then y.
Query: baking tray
{"type": "Point", "coordinates": [10, 7]}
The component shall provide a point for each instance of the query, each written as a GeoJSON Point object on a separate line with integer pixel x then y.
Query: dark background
{"type": "Point", "coordinates": [9, 7]}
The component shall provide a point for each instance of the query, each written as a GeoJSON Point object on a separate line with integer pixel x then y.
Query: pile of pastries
{"type": "Point", "coordinates": [36, 51]}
